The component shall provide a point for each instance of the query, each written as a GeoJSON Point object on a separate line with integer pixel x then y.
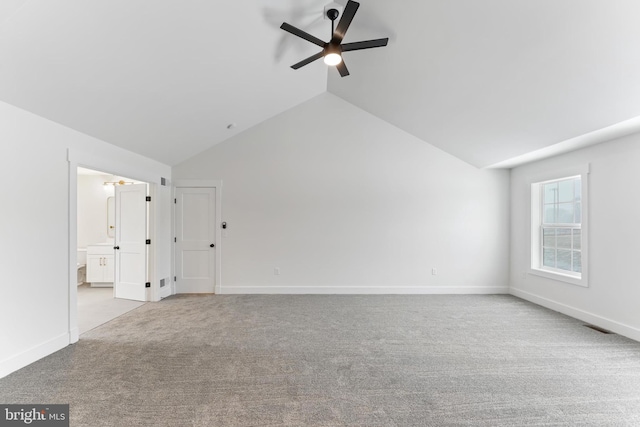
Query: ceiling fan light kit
{"type": "Point", "coordinates": [332, 50]}
{"type": "Point", "coordinates": [332, 55]}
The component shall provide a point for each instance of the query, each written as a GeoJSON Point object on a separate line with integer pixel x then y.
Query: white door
{"type": "Point", "coordinates": [195, 240]}
{"type": "Point", "coordinates": [130, 242]}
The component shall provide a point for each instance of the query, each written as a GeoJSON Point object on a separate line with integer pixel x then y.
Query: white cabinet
{"type": "Point", "coordinates": [100, 266]}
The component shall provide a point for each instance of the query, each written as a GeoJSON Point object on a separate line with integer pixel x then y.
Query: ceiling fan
{"type": "Point", "coordinates": [332, 51]}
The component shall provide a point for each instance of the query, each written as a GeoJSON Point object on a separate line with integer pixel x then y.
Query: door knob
{"type": "Point", "coordinates": [116, 247]}
{"type": "Point", "coordinates": [212, 245]}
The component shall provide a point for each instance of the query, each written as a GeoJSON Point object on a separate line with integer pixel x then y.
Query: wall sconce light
{"type": "Point", "coordinates": [114, 183]}
{"type": "Point", "coordinates": [109, 186]}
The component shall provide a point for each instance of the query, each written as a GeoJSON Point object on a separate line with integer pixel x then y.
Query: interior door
{"type": "Point", "coordinates": [195, 240]}
{"type": "Point", "coordinates": [130, 242]}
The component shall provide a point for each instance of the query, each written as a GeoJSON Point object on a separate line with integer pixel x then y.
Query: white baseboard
{"type": "Point", "coordinates": [74, 335]}
{"type": "Point", "coordinates": [27, 357]}
{"type": "Point", "coordinates": [165, 291]}
{"type": "Point", "coordinates": [585, 316]}
{"type": "Point", "coordinates": [363, 290]}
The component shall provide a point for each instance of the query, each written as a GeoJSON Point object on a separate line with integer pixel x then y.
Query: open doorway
{"type": "Point", "coordinates": [98, 273]}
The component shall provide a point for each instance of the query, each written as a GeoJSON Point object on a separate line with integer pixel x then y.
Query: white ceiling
{"type": "Point", "coordinates": [487, 81]}
{"type": "Point", "coordinates": [492, 80]}
{"type": "Point", "coordinates": [162, 78]}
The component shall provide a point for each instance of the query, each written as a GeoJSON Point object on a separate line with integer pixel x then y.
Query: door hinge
{"type": "Point", "coordinates": [175, 200]}
{"type": "Point", "coordinates": [175, 279]}
{"type": "Point", "coordinates": [175, 239]}
{"type": "Point", "coordinates": [148, 241]}
{"type": "Point", "coordinates": [148, 199]}
{"type": "Point", "coordinates": [147, 285]}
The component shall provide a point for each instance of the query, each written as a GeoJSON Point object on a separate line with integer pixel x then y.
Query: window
{"type": "Point", "coordinates": [561, 226]}
{"type": "Point", "coordinates": [558, 234]}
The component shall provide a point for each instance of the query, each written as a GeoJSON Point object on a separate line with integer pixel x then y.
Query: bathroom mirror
{"type": "Point", "coordinates": [111, 217]}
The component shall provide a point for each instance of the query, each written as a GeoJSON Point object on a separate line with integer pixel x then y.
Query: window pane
{"type": "Point", "coordinates": [577, 262]}
{"type": "Point", "coordinates": [577, 239]}
{"type": "Point", "coordinates": [550, 193]}
{"type": "Point", "coordinates": [564, 259]}
{"type": "Point", "coordinates": [565, 189]}
{"type": "Point", "coordinates": [549, 258]}
{"type": "Point", "coordinates": [565, 213]}
{"type": "Point", "coordinates": [549, 214]}
{"type": "Point", "coordinates": [563, 236]}
{"type": "Point", "coordinates": [560, 206]}
{"type": "Point", "coordinates": [549, 237]}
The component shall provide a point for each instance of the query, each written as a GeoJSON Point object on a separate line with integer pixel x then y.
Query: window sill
{"type": "Point", "coordinates": [578, 281]}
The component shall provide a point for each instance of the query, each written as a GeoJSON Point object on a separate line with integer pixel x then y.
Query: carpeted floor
{"type": "Point", "coordinates": [464, 360]}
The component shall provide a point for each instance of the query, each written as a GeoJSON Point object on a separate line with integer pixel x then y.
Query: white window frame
{"type": "Point", "coordinates": [535, 255]}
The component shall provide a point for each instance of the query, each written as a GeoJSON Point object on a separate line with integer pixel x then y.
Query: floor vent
{"type": "Point", "coordinates": [599, 329]}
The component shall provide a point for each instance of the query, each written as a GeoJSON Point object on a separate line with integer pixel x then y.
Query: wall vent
{"type": "Point", "coordinates": [599, 329]}
{"type": "Point", "coordinates": [162, 283]}
{"type": "Point", "coordinates": [163, 181]}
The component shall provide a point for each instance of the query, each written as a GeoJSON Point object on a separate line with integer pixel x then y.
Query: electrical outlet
{"type": "Point", "coordinates": [434, 271]}
{"type": "Point", "coordinates": [276, 271]}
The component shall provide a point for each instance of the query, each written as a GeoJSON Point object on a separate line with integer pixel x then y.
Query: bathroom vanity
{"type": "Point", "coordinates": [100, 265]}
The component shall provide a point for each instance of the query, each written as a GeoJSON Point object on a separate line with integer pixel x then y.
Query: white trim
{"type": "Point", "coordinates": [72, 245]}
{"type": "Point", "coordinates": [535, 184]}
{"type": "Point", "coordinates": [366, 290]}
{"type": "Point", "coordinates": [559, 276]}
{"type": "Point", "coordinates": [74, 334]}
{"type": "Point", "coordinates": [165, 291]}
{"type": "Point", "coordinates": [200, 183]}
{"type": "Point", "coordinates": [585, 316]}
{"type": "Point", "coordinates": [112, 165]}
{"type": "Point", "coordinates": [556, 173]}
{"type": "Point", "coordinates": [33, 354]}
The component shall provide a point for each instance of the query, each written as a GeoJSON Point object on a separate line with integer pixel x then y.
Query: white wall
{"type": "Point", "coordinates": [35, 234]}
{"type": "Point", "coordinates": [92, 209]}
{"type": "Point", "coordinates": [343, 202]}
{"type": "Point", "coordinates": [612, 299]}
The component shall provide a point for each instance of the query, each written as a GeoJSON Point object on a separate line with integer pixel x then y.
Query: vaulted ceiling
{"type": "Point", "coordinates": [487, 81]}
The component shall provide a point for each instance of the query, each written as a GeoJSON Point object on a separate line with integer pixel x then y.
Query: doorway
{"type": "Point", "coordinates": [195, 240]}
{"type": "Point", "coordinates": [197, 236]}
{"type": "Point", "coordinates": [103, 200]}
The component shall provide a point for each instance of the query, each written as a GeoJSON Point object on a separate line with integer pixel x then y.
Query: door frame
{"type": "Point", "coordinates": [200, 183]}
{"type": "Point", "coordinates": [78, 158]}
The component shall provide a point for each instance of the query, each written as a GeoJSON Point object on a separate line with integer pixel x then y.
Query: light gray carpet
{"type": "Point", "coordinates": [339, 360]}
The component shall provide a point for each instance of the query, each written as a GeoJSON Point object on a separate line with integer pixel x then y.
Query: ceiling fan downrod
{"type": "Point", "coordinates": [333, 15]}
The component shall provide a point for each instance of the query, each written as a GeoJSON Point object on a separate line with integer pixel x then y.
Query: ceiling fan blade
{"type": "Point", "coordinates": [345, 20]}
{"type": "Point", "coordinates": [342, 69]}
{"type": "Point", "coordinates": [303, 34]}
{"type": "Point", "coordinates": [308, 60]}
{"type": "Point", "coordinates": [367, 44]}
